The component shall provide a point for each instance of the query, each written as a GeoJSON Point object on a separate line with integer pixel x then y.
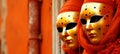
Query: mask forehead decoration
{"type": "Point", "coordinates": [66, 26]}
{"type": "Point", "coordinates": [66, 18]}
{"type": "Point", "coordinates": [95, 19]}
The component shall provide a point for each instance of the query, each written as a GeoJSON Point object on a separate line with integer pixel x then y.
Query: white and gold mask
{"type": "Point", "coordinates": [66, 26]}
{"type": "Point", "coordinates": [95, 19]}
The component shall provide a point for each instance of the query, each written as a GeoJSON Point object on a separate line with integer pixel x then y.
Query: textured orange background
{"type": "Point", "coordinates": [46, 26]}
{"type": "Point", "coordinates": [17, 31]}
{"type": "Point", "coordinates": [0, 27]}
{"type": "Point", "coordinates": [0, 21]}
{"type": "Point", "coordinates": [17, 26]}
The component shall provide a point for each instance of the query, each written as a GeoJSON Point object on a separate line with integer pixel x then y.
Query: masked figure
{"type": "Point", "coordinates": [95, 19]}
{"type": "Point", "coordinates": [99, 27]}
{"type": "Point", "coordinates": [66, 26]}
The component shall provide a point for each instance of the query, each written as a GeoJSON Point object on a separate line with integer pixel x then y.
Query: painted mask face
{"type": "Point", "coordinates": [66, 26]}
{"type": "Point", "coordinates": [95, 19]}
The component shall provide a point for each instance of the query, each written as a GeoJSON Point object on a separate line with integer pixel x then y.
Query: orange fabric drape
{"type": "Point", "coordinates": [71, 5]}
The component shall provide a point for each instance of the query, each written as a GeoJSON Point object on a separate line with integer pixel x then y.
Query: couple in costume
{"type": "Point", "coordinates": [90, 26]}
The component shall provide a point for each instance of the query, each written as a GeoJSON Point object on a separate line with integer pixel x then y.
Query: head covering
{"type": "Point", "coordinates": [110, 35]}
{"type": "Point", "coordinates": [109, 2]}
{"type": "Point", "coordinates": [71, 5]}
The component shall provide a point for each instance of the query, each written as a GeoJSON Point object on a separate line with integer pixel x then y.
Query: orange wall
{"type": "Point", "coordinates": [17, 31]}
{"type": "Point", "coordinates": [17, 26]}
{"type": "Point", "coordinates": [46, 26]}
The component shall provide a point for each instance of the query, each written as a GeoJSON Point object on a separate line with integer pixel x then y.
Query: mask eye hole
{"type": "Point", "coordinates": [71, 25]}
{"type": "Point", "coordinates": [60, 29]}
{"type": "Point", "coordinates": [83, 21]}
{"type": "Point", "coordinates": [95, 18]}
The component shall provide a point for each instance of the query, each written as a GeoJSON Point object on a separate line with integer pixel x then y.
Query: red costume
{"type": "Point", "coordinates": [110, 44]}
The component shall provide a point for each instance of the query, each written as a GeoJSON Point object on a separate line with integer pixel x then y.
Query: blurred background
{"type": "Point", "coordinates": [28, 27]}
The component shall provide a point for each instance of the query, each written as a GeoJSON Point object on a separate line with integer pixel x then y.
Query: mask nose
{"type": "Point", "coordinates": [64, 33]}
{"type": "Point", "coordinates": [88, 26]}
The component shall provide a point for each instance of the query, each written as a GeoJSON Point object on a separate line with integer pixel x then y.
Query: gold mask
{"type": "Point", "coordinates": [95, 19]}
{"type": "Point", "coordinates": [66, 26]}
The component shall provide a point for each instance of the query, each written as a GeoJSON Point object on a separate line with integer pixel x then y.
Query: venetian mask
{"type": "Point", "coordinates": [66, 26]}
{"type": "Point", "coordinates": [95, 19]}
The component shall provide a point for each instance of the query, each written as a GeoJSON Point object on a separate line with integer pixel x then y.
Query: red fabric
{"type": "Point", "coordinates": [112, 48]}
{"type": "Point", "coordinates": [111, 40]}
{"type": "Point", "coordinates": [109, 2]}
{"type": "Point", "coordinates": [68, 51]}
{"type": "Point", "coordinates": [78, 50]}
{"type": "Point", "coordinates": [72, 5]}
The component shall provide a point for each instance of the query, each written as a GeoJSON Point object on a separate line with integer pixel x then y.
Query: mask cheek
{"type": "Point", "coordinates": [72, 32]}
{"type": "Point", "coordinates": [61, 36]}
{"type": "Point", "coordinates": [97, 28]}
{"type": "Point", "coordinates": [106, 25]}
{"type": "Point", "coordinates": [101, 31]}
